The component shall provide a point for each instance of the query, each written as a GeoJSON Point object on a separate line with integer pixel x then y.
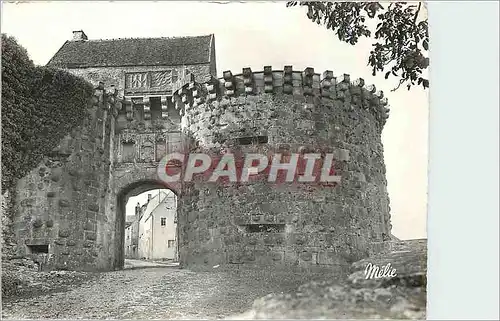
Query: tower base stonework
{"type": "Point", "coordinates": [285, 224]}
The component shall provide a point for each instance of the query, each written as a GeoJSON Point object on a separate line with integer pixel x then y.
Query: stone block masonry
{"type": "Point", "coordinates": [60, 206]}
{"type": "Point", "coordinates": [70, 209]}
{"type": "Point", "coordinates": [286, 225]}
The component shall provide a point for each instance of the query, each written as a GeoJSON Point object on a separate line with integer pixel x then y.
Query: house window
{"type": "Point", "coordinates": [163, 221]}
{"type": "Point", "coordinates": [170, 243]}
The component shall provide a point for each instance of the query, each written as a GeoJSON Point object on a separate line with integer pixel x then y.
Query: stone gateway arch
{"type": "Point", "coordinates": [71, 209]}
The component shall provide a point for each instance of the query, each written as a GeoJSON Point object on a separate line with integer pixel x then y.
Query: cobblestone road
{"type": "Point", "coordinates": [157, 293]}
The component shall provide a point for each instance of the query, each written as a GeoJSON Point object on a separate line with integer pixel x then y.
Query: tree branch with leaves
{"type": "Point", "coordinates": [401, 34]}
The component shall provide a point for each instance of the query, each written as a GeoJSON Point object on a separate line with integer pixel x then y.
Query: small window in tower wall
{"type": "Point", "coordinates": [262, 139]}
{"type": "Point", "coordinates": [163, 221]}
{"type": "Point", "coordinates": [245, 140]}
{"type": "Point", "coordinates": [265, 228]}
{"type": "Point", "coordinates": [139, 112]}
{"type": "Point", "coordinates": [170, 243]}
{"type": "Point", "coordinates": [37, 249]}
{"type": "Point", "coordinates": [253, 140]}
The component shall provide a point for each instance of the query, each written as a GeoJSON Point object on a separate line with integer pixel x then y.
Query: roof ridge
{"type": "Point", "coordinates": [152, 51]}
{"type": "Point", "coordinates": [149, 38]}
{"type": "Point", "coordinates": [58, 51]}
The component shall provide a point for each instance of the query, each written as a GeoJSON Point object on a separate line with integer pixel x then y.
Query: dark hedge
{"type": "Point", "coordinates": [40, 106]}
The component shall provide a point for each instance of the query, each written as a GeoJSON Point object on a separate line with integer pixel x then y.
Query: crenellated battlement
{"type": "Point", "coordinates": [285, 113]}
{"type": "Point", "coordinates": [308, 83]}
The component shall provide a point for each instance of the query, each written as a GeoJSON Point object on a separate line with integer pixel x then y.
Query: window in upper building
{"type": "Point", "coordinates": [163, 221]}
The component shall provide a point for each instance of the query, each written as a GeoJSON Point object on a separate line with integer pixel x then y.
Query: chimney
{"type": "Point", "coordinates": [137, 208]}
{"type": "Point", "coordinates": [79, 35]}
{"type": "Point", "coordinates": [149, 197]}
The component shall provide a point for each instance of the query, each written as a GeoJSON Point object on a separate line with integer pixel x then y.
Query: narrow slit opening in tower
{"type": "Point", "coordinates": [252, 140]}
{"type": "Point", "coordinates": [265, 228]}
{"type": "Point", "coordinates": [37, 249]}
{"type": "Point", "coordinates": [245, 140]}
{"type": "Point", "coordinates": [262, 139]}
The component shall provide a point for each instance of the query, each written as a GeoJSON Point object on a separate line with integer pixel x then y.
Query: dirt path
{"type": "Point", "coordinates": [157, 293]}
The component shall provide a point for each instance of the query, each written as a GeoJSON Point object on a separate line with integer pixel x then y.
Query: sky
{"type": "Point", "coordinates": [255, 35]}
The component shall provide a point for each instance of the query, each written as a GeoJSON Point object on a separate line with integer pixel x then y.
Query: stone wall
{"type": "Point", "coordinates": [74, 201]}
{"type": "Point", "coordinates": [285, 112]}
{"type": "Point", "coordinates": [60, 205]}
{"type": "Point", "coordinates": [8, 238]}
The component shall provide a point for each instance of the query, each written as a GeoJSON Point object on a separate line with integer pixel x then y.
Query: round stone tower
{"type": "Point", "coordinates": [284, 112]}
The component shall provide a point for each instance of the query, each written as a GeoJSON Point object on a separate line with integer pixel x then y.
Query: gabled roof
{"type": "Point", "coordinates": [134, 52]}
{"type": "Point", "coordinates": [153, 203]}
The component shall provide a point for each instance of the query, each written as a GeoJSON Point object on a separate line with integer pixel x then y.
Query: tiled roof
{"type": "Point", "coordinates": [134, 52]}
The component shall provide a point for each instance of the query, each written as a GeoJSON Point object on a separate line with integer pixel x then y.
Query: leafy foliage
{"type": "Point", "coordinates": [39, 107]}
{"type": "Point", "coordinates": [402, 36]}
